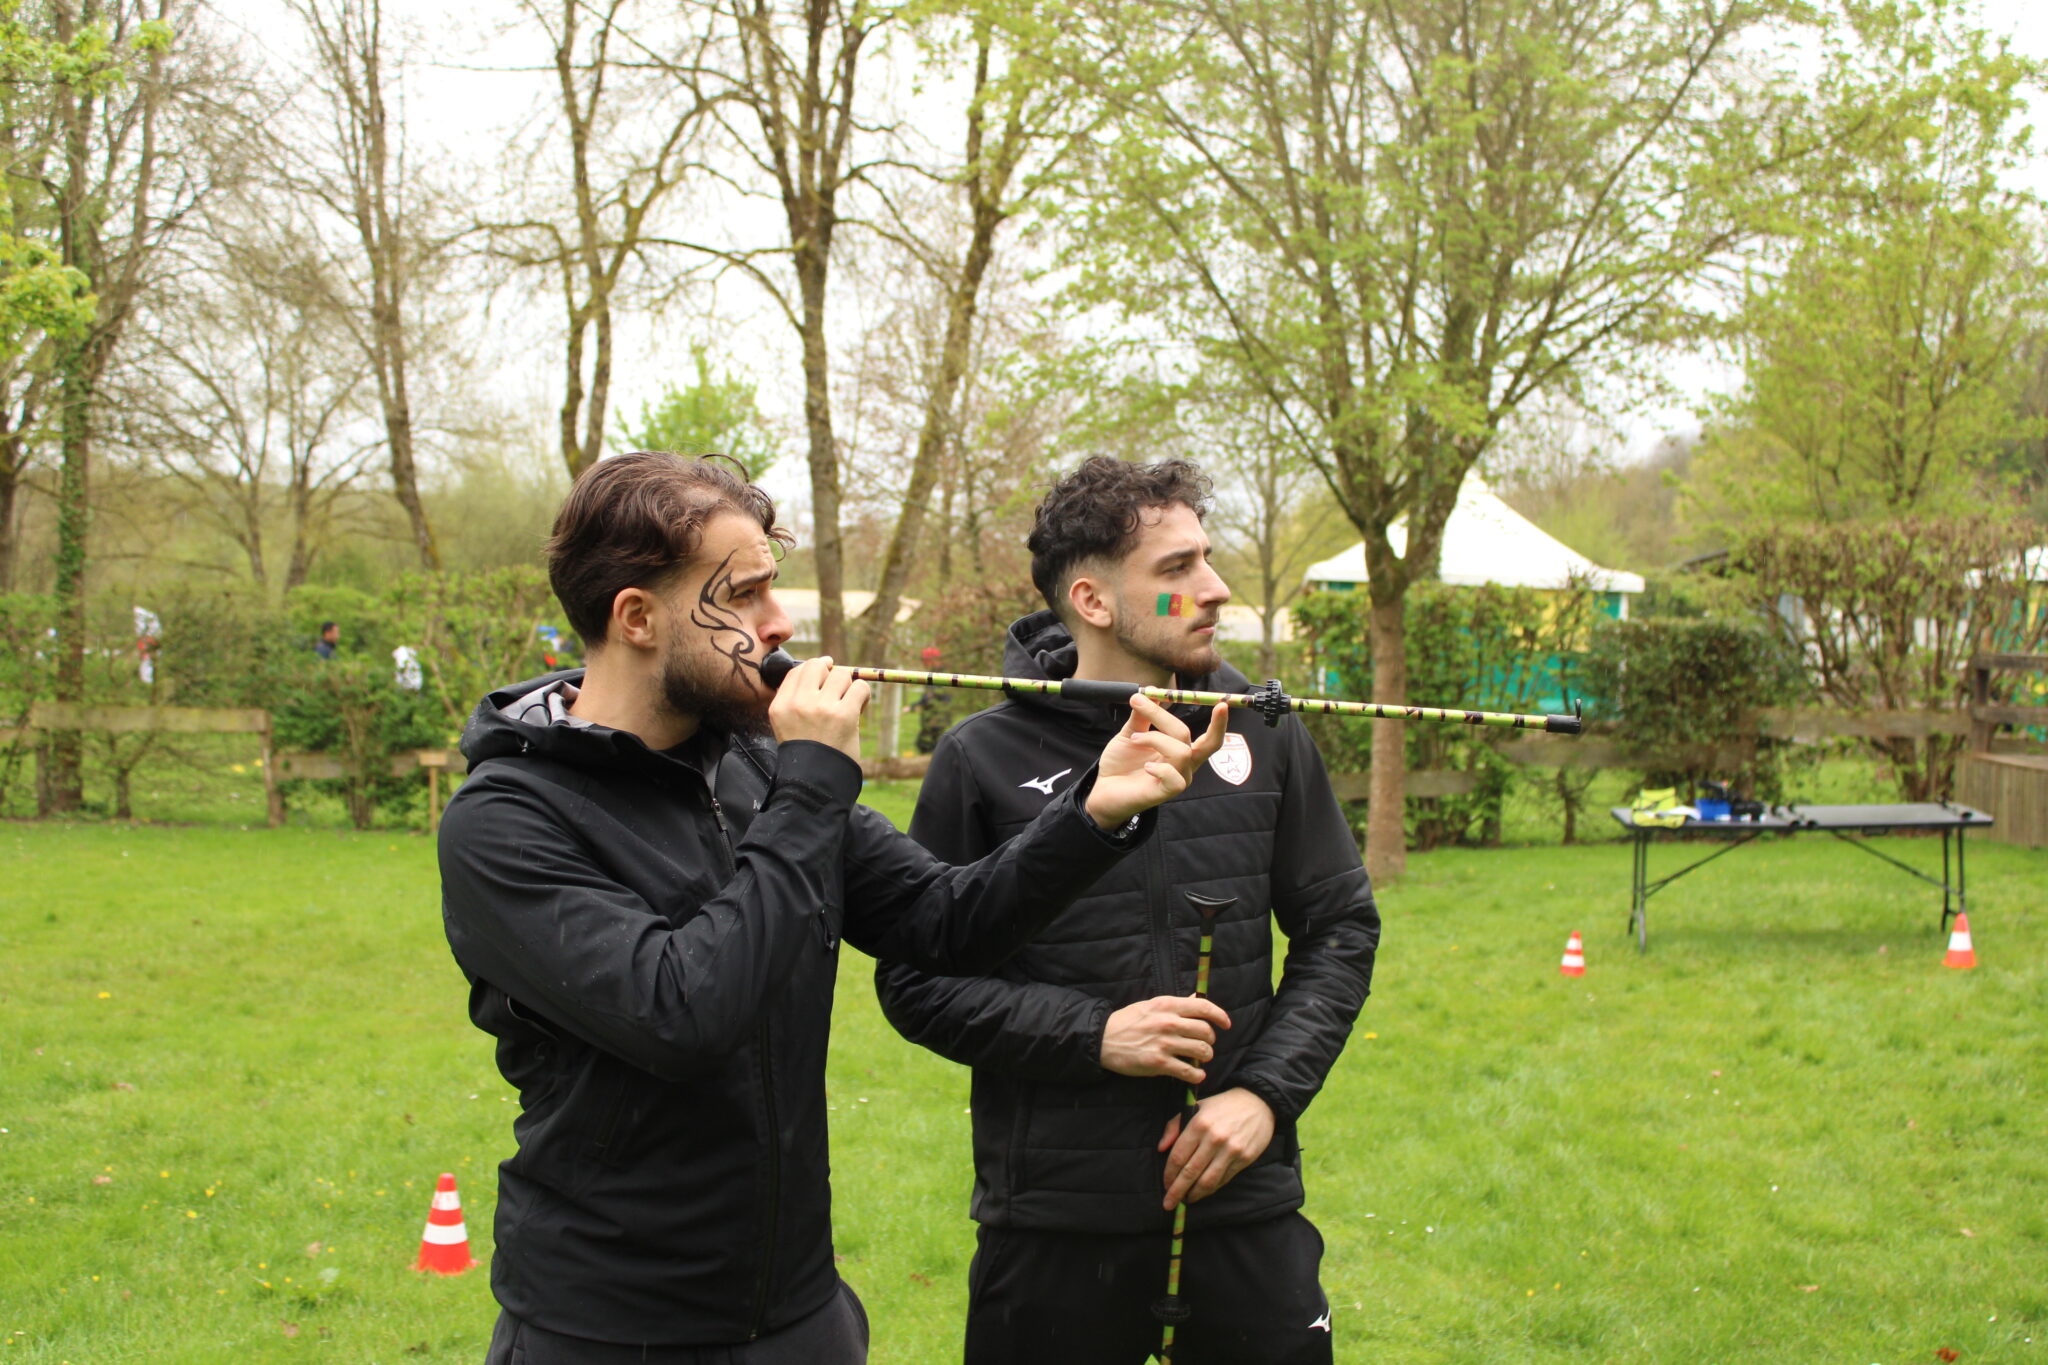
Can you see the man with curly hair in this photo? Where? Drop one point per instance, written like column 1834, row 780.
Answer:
column 1083, row 1044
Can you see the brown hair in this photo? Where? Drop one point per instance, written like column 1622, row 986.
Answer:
column 1093, row 514
column 634, row 521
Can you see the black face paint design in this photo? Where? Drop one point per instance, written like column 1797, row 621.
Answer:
column 728, row 637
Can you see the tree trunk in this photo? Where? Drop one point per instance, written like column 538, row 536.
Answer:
column 384, row 243
column 811, row 264
column 404, row 469
column 63, row 791
column 1386, row 844
column 10, row 499
column 932, row 436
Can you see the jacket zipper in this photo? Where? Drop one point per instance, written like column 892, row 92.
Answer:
column 1166, row 974
column 773, row 1126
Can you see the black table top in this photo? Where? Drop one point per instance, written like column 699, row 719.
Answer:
column 1900, row 815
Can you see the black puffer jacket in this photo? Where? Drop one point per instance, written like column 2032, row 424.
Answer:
column 656, row 958
column 1059, row 1143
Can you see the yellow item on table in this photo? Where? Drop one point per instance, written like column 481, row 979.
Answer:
column 1658, row 806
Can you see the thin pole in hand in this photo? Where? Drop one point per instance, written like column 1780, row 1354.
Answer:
column 1171, row 1309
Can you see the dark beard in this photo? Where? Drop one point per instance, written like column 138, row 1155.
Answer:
column 693, row 689
column 1185, row 669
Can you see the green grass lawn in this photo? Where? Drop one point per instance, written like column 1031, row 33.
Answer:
column 232, row 1064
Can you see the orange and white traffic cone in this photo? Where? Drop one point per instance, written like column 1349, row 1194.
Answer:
column 1574, row 963
column 1960, row 953
column 444, row 1246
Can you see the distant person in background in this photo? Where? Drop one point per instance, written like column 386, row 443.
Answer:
column 330, row 637
column 405, row 661
column 148, row 633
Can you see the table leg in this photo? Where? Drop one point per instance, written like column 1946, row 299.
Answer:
column 1962, row 880
column 1639, row 876
column 1945, row 879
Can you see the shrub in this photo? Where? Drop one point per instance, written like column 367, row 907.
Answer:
column 1684, row 688
column 1487, row 648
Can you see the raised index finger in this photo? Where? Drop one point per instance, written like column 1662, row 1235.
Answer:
column 1212, row 738
column 1163, row 720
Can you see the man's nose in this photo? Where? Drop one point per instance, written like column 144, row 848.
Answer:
column 1213, row 593
column 778, row 628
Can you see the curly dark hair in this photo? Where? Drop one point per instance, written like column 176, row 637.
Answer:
column 634, row 521
column 1093, row 514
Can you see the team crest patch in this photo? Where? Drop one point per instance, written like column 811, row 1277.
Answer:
column 1233, row 762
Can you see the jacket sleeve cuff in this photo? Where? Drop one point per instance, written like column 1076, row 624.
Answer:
column 1126, row 836
column 1089, row 1067
column 1277, row 1099
column 817, row 774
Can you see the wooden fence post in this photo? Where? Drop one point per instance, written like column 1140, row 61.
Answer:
column 273, row 794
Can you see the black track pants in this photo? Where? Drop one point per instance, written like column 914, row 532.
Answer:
column 836, row 1334
column 1086, row 1299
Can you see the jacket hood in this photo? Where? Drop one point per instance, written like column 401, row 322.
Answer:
column 527, row 717
column 1039, row 646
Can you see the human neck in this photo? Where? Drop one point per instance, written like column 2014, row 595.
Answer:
column 620, row 694
column 1100, row 658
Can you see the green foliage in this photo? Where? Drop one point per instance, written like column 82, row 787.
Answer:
column 1686, row 687
column 1886, row 362
column 40, row 296
column 353, row 709
column 716, row 413
column 470, row 633
column 1887, row 614
column 969, row 623
column 1488, row 648
column 475, row 632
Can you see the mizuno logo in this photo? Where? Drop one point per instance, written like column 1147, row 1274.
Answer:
column 1044, row 784
column 1322, row 1322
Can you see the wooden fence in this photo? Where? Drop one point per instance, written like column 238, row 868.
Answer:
column 1603, row 747
column 2022, row 784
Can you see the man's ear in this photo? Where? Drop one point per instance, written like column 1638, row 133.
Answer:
column 634, row 613
column 1091, row 597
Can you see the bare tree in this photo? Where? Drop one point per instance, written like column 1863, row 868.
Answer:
column 631, row 104
column 1012, row 112
column 254, row 403
column 1272, row 512
column 794, row 115
column 357, row 167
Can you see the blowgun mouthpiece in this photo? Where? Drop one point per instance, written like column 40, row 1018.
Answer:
column 776, row 666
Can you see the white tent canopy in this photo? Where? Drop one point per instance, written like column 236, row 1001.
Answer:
column 1487, row 541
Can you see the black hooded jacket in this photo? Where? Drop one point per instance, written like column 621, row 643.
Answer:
column 1059, row 1143
column 655, row 955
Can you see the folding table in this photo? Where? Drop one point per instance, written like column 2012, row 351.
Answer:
column 1851, row 824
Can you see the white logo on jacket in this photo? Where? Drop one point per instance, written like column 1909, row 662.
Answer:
column 1044, row 784
column 1233, row 762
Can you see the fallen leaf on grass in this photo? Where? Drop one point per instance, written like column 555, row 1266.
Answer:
column 924, row 1280
column 103, row 1180
column 123, row 1085
column 1947, row 1353
column 1808, row 1288
column 1968, row 1233
column 290, row 1329
column 312, row 1248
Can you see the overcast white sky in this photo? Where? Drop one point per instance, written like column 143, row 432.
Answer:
column 458, row 109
